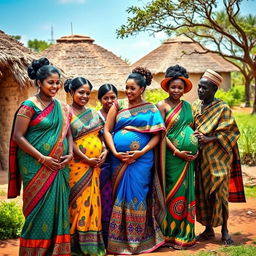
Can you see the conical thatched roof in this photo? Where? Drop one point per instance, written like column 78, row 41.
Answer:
column 14, row 59
column 77, row 55
column 175, row 51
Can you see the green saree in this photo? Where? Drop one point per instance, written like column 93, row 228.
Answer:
column 180, row 198
column 45, row 195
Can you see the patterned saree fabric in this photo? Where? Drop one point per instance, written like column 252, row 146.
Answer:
column 84, row 201
column 139, row 212
column 180, row 195
column 45, row 196
column 106, row 192
column 218, row 170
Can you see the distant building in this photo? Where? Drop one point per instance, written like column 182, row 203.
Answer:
column 179, row 51
column 78, row 55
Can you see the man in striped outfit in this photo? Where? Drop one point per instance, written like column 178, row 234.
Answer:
column 218, row 170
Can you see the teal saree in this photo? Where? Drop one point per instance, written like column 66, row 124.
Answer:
column 45, row 195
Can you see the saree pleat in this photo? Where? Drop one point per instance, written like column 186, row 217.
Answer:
column 138, row 212
column 180, row 196
column 45, row 196
column 218, row 170
column 84, row 202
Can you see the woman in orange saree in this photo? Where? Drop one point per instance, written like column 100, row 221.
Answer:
column 84, row 201
column 40, row 148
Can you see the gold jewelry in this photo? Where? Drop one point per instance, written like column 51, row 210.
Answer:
column 41, row 160
column 42, row 102
column 174, row 152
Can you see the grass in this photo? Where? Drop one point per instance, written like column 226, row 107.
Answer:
column 239, row 250
column 250, row 192
column 3, row 193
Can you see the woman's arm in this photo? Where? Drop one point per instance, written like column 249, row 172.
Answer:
column 20, row 129
column 67, row 158
column 161, row 106
column 108, row 128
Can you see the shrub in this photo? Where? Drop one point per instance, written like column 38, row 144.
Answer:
column 11, row 220
column 246, row 142
column 234, row 96
column 154, row 96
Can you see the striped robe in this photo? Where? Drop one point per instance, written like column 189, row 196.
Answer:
column 218, row 170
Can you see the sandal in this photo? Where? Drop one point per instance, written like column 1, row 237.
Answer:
column 228, row 241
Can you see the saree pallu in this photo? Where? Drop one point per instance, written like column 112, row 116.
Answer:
column 84, row 201
column 180, row 194
column 45, row 196
column 218, row 170
column 105, row 192
column 138, row 213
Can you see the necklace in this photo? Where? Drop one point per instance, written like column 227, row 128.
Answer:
column 78, row 111
column 42, row 102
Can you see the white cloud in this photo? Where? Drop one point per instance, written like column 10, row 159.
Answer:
column 71, row 1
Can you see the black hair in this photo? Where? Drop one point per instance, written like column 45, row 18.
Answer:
column 40, row 69
column 75, row 83
column 142, row 76
column 106, row 88
column 175, row 72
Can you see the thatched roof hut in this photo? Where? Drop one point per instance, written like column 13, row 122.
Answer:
column 15, row 87
column 78, row 55
column 179, row 51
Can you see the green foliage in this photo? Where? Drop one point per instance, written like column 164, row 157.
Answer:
column 11, row 220
column 235, row 250
column 246, row 142
column 154, row 96
column 38, row 45
column 17, row 37
column 234, row 96
column 250, row 192
column 240, row 250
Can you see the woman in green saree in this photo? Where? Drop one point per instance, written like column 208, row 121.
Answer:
column 40, row 148
column 181, row 150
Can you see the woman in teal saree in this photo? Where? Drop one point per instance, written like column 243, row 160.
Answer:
column 180, row 152
column 40, row 148
column 133, row 129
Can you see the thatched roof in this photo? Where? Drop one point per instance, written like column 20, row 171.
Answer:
column 14, row 59
column 78, row 55
column 175, row 51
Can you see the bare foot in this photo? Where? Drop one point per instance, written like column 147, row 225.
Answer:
column 206, row 235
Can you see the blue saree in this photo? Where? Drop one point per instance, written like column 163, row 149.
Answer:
column 138, row 212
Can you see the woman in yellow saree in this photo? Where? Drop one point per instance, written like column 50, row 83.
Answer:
column 40, row 148
column 84, row 201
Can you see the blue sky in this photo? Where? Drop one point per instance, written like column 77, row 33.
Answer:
column 98, row 19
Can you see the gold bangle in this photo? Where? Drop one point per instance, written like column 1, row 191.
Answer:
column 174, row 152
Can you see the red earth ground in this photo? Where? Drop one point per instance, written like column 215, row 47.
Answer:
column 242, row 225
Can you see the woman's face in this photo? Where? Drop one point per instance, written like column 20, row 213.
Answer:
column 107, row 100
column 132, row 90
column 81, row 95
column 176, row 89
column 50, row 85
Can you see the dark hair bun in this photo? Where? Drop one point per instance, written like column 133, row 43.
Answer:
column 145, row 73
column 67, row 85
column 176, row 71
column 35, row 66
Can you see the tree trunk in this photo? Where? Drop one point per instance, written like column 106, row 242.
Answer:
column 247, row 92
column 254, row 102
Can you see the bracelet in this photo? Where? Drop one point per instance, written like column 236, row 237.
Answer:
column 41, row 160
column 174, row 152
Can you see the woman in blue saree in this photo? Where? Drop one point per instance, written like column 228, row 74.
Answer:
column 41, row 146
column 138, row 214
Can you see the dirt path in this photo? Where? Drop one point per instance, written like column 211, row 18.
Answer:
column 242, row 226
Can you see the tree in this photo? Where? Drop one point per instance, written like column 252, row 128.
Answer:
column 227, row 32
column 38, row 45
column 17, row 37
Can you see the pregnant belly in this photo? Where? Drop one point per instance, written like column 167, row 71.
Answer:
column 130, row 140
